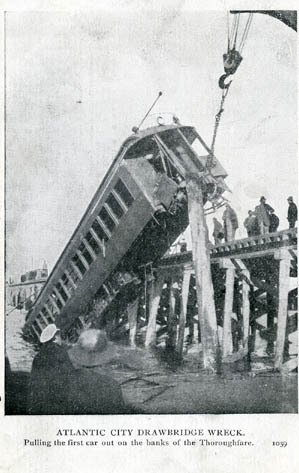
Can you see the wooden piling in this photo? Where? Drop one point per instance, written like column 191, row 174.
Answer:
column 245, row 309
column 283, row 290
column 154, row 301
column 183, row 311
column 202, row 267
column 172, row 322
column 227, row 346
column 132, row 310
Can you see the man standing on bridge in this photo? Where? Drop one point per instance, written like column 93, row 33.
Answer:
column 231, row 223
column 292, row 213
column 250, row 223
column 274, row 222
column 218, row 232
column 262, row 212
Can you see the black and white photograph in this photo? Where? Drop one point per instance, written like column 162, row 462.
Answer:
column 150, row 211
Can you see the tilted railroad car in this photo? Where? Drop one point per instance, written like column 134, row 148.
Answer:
column 138, row 211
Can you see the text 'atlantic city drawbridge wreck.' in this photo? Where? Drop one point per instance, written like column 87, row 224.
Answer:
column 117, row 273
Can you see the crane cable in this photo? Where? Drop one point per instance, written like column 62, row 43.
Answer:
column 245, row 33
column 231, row 40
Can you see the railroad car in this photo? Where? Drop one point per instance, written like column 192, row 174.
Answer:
column 136, row 214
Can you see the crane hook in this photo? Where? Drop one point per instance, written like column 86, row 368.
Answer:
column 222, row 83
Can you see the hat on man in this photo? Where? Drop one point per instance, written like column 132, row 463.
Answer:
column 262, row 198
column 48, row 333
column 290, row 199
column 89, row 348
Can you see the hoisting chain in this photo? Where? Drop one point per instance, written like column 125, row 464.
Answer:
column 217, row 122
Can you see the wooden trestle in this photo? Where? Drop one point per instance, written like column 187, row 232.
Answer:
column 251, row 278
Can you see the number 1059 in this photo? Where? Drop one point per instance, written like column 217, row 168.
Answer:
column 279, row 444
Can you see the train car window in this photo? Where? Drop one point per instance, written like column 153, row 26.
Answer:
column 124, row 193
column 105, row 217
column 99, row 231
column 180, row 147
column 33, row 332
column 157, row 163
column 57, row 300
column 85, row 253
column 47, row 316
column 41, row 321
column 199, row 148
column 93, row 243
column 62, row 292
column 37, row 327
column 78, row 263
column 67, row 283
column 51, row 307
column 73, row 274
column 115, row 206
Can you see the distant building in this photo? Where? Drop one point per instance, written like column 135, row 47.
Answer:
column 24, row 292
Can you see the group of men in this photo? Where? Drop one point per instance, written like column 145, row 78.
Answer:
column 260, row 221
column 263, row 219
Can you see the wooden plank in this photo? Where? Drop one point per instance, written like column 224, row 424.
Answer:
column 202, row 267
column 154, row 302
column 283, row 285
column 183, row 312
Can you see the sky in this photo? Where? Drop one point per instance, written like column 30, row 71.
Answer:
column 76, row 83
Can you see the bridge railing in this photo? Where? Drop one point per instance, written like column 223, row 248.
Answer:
column 268, row 241
column 288, row 236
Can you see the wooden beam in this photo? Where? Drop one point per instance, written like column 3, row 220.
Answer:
column 132, row 310
column 202, row 267
column 154, row 302
column 227, row 344
column 172, row 323
column 183, row 312
column 245, row 309
column 283, row 291
column 290, row 365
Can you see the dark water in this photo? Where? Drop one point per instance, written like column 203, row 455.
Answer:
column 155, row 383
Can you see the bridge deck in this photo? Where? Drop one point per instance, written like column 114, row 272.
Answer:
column 246, row 248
